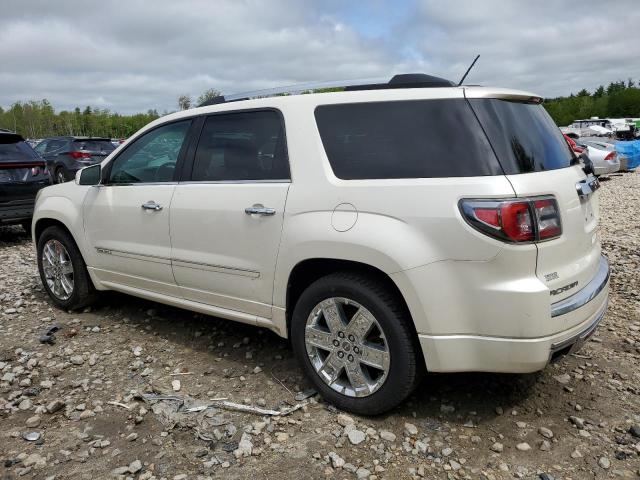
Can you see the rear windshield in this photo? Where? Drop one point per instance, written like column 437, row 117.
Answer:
column 405, row 139
column 15, row 151
column 94, row 145
column 523, row 135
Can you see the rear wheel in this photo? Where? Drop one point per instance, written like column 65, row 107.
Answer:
column 354, row 339
column 61, row 176
column 63, row 271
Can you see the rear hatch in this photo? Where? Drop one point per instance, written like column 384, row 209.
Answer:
column 537, row 161
column 22, row 171
column 92, row 150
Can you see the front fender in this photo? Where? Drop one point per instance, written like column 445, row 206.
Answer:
column 66, row 211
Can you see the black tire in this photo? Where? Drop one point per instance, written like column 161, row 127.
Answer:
column 61, row 175
column 406, row 364
column 83, row 293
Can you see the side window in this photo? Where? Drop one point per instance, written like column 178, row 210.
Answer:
column 152, row 157
column 54, row 145
column 40, row 148
column 241, row 146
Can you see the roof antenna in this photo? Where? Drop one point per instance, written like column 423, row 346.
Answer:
column 468, row 70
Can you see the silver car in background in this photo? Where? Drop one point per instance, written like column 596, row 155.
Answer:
column 603, row 155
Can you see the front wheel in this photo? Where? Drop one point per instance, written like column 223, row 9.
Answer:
column 63, row 271
column 354, row 338
column 61, row 176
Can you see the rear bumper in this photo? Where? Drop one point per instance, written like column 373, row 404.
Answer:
column 464, row 353
column 15, row 212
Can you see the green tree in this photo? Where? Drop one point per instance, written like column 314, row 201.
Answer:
column 207, row 95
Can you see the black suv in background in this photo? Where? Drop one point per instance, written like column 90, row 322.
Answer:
column 22, row 174
column 66, row 155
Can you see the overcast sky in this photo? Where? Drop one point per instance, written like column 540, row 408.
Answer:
column 134, row 55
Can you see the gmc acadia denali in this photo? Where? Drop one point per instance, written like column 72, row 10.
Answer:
column 387, row 229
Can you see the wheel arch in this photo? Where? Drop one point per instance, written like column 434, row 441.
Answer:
column 307, row 271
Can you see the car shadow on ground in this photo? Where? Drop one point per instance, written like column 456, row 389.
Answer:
column 13, row 235
column 463, row 398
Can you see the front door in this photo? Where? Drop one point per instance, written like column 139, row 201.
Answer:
column 127, row 217
column 226, row 217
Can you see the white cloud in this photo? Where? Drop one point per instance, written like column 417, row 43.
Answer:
column 134, row 55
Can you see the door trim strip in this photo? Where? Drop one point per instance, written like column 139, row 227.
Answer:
column 181, row 263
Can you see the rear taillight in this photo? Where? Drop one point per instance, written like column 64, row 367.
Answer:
column 514, row 220
column 611, row 157
column 78, row 155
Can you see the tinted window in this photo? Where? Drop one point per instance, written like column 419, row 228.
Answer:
column 54, row 145
column 523, row 135
column 40, row 148
column 408, row 139
column 12, row 150
column 241, row 146
column 94, row 145
column 152, row 157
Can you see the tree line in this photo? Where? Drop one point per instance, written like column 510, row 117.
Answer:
column 38, row 119
column 617, row 100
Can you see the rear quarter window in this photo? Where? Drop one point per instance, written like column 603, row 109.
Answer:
column 12, row 150
column 523, row 135
column 405, row 139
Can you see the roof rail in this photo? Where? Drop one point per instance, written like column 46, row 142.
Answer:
column 407, row 80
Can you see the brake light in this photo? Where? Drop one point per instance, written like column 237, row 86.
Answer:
column 514, row 220
column 611, row 157
column 78, row 155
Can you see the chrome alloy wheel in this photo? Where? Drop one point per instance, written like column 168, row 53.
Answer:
column 58, row 269
column 347, row 347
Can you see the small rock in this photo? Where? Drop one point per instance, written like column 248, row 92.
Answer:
column 55, row 405
column 344, row 420
column 135, row 466
column 523, row 447
column 497, row 447
column 604, row 463
column 336, row 460
column 387, row 435
column 77, row 359
column 577, row 421
column 635, row 431
column 175, row 384
column 355, row 436
column 33, row 422
column 545, row 432
column 410, row 429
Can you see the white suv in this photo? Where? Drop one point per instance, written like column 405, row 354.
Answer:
column 386, row 229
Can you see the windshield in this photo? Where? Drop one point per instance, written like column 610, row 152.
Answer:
column 523, row 135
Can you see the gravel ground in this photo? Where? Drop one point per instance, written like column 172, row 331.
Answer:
column 83, row 396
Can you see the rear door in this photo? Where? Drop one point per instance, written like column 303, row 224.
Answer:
column 538, row 161
column 226, row 217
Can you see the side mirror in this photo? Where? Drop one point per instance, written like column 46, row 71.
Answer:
column 91, row 175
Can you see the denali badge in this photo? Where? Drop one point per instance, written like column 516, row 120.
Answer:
column 564, row 289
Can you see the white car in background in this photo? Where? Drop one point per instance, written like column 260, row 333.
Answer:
column 603, row 156
column 387, row 229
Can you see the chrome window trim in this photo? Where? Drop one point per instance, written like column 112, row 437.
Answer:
column 231, row 182
column 588, row 293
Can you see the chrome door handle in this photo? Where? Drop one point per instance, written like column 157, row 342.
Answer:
column 259, row 210
column 151, row 205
